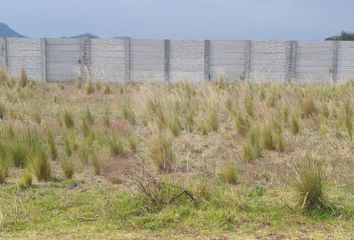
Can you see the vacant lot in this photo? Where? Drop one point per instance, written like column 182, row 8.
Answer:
column 90, row 160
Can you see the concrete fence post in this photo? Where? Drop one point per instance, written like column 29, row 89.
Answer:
column 85, row 56
column 167, row 62
column 291, row 62
column 3, row 53
column 44, row 59
column 127, row 59
column 334, row 69
column 247, row 63
column 207, row 60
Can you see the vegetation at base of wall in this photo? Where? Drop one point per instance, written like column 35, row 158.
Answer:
column 210, row 159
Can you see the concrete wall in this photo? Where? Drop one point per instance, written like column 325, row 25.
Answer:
column 63, row 58
column 227, row 57
column 147, row 60
column 187, row 60
column 107, row 60
column 314, row 61
column 123, row 60
column 24, row 53
column 268, row 60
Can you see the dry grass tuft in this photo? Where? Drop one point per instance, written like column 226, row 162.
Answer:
column 160, row 150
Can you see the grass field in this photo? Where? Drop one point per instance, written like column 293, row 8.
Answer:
column 90, row 160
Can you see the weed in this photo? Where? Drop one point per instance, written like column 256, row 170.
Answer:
column 52, row 146
column 18, row 152
column 26, row 178
column 128, row 113
column 252, row 148
column 133, row 141
column 309, row 182
column 3, row 171
column 96, row 164
column 23, row 79
column 248, row 152
column 175, row 124
column 106, row 118
column 115, row 144
column 67, row 145
column 2, row 111
column 107, row 89
column 267, row 137
column 348, row 117
column 88, row 117
column 84, row 154
column 68, row 168
column 160, row 151
column 90, row 88
column 41, row 167
column 308, row 107
column 243, row 124
column 294, row 125
column 228, row 174
column 68, row 119
column 248, row 103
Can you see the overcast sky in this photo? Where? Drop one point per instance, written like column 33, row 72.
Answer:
column 181, row 19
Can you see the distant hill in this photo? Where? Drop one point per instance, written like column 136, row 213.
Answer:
column 83, row 35
column 123, row 38
column 6, row 31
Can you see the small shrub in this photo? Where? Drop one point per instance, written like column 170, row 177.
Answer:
column 106, row 118
column 252, row 148
column 309, row 182
column 294, row 125
column 243, row 124
column 67, row 145
column 98, row 86
column 37, row 117
column 160, row 151
column 59, row 119
column 248, row 152
column 68, row 168
column 248, row 102
column 272, row 137
column 52, row 146
column 96, row 164
column 115, row 144
column 128, row 113
column 107, row 89
column 90, row 88
column 279, row 141
column 220, row 82
column 85, row 128
column 267, row 137
column 18, row 152
column 348, row 117
column 84, row 154
column 308, row 107
column 133, row 141
column 41, row 167
column 68, row 119
column 213, row 118
column 88, row 117
column 189, row 121
column 2, row 111
column 175, row 125
column 228, row 174
column 23, row 79
column 3, row 171
column 26, row 178
column 271, row 99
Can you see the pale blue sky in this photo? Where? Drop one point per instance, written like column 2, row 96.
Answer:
column 181, row 19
